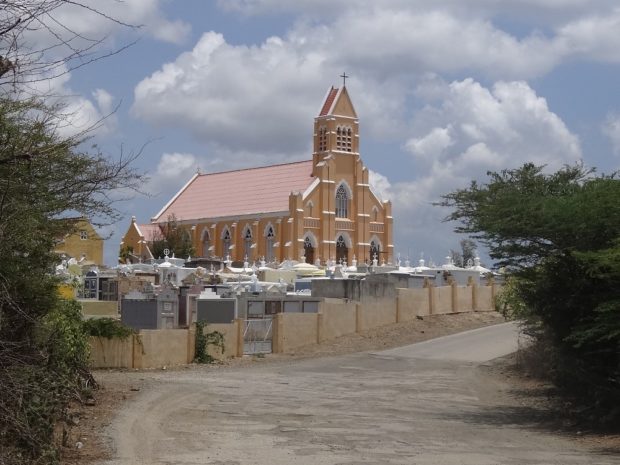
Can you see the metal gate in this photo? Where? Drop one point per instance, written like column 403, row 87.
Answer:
column 257, row 336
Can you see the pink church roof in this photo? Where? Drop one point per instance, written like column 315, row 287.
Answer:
column 239, row 192
column 149, row 231
column 329, row 100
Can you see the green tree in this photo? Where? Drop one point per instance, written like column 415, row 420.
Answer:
column 44, row 178
column 558, row 235
column 468, row 252
column 174, row 237
column 42, row 352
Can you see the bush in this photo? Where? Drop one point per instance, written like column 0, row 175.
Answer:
column 37, row 381
column 108, row 328
column 203, row 341
column 558, row 235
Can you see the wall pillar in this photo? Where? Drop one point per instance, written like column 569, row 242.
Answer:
column 319, row 328
column 277, row 334
column 431, row 296
column 239, row 327
column 474, row 294
column 454, row 294
column 236, row 242
column 191, row 343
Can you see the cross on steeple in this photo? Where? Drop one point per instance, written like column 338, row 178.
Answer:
column 344, row 78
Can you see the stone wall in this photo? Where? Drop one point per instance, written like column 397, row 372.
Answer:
column 412, row 303
column 157, row 348
column 336, row 318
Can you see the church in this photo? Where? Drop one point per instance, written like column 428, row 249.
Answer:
column 313, row 211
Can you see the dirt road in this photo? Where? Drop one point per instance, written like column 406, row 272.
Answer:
column 393, row 407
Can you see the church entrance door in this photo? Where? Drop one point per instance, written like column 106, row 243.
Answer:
column 308, row 251
column 374, row 251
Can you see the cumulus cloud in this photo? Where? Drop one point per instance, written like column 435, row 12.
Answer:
column 92, row 22
column 611, row 128
column 71, row 34
column 380, row 185
column 237, row 96
column 221, row 92
column 254, row 104
column 76, row 114
column 432, row 144
column 489, row 129
column 543, row 10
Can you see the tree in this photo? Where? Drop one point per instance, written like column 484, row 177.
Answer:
column 43, row 178
column 558, row 235
column 37, row 44
column 173, row 237
column 466, row 255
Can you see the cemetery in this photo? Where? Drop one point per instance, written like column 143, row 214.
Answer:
column 164, row 299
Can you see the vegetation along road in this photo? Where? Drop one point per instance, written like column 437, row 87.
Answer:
column 427, row 403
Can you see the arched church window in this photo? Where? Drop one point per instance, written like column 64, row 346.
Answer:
column 342, row 202
column 226, row 243
column 322, row 138
column 247, row 243
column 269, row 241
column 375, row 214
column 348, row 142
column 310, row 206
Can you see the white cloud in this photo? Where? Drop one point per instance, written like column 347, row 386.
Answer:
column 447, row 35
column 221, row 92
column 509, row 118
column 380, row 185
column 242, row 98
column 611, row 128
column 432, row 144
column 490, row 129
column 254, row 104
column 76, row 114
column 547, row 10
column 87, row 23
column 70, row 35
column 176, row 166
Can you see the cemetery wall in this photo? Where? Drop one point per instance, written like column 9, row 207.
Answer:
column 156, row 348
column 336, row 318
column 293, row 330
column 412, row 303
column 441, row 300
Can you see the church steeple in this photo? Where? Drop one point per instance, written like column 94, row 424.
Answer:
column 336, row 127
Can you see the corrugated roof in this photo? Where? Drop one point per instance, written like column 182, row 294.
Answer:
column 328, row 101
column 240, row 192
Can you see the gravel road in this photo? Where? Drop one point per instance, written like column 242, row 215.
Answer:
column 403, row 406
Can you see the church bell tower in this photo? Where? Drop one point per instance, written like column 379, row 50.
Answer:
column 336, row 129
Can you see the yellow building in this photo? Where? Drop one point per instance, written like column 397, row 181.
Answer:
column 84, row 244
column 137, row 241
column 312, row 210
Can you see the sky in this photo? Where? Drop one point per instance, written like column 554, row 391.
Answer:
column 445, row 91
